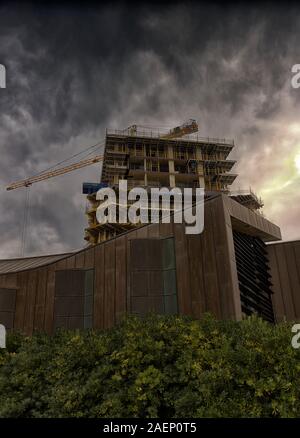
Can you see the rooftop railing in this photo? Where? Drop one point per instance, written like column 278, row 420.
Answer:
column 150, row 133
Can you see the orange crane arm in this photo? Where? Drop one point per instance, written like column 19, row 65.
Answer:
column 50, row 174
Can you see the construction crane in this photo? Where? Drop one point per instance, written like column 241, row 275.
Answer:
column 179, row 131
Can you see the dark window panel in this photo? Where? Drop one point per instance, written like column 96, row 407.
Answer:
column 69, row 282
column 69, row 306
column 75, row 322
column 170, row 286
column 144, row 305
column 146, row 254
column 88, row 305
column 61, row 322
column 171, row 307
column 88, row 322
column 153, row 286
column 156, row 283
column 139, row 281
column 89, row 282
column 74, row 292
column 169, row 254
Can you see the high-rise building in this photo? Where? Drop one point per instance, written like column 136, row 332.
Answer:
column 150, row 158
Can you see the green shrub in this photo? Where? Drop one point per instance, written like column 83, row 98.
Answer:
column 155, row 367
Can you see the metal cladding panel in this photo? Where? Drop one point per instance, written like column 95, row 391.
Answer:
column 285, row 269
column 88, row 298
column 16, row 265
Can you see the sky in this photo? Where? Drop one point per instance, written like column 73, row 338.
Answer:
column 73, row 71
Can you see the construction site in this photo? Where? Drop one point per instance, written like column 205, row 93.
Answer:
column 237, row 266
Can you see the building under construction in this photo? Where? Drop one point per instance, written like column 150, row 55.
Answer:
column 149, row 158
column 237, row 266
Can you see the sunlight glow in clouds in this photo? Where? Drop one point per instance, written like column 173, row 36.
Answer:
column 294, row 128
column 297, row 163
column 289, row 175
column 280, row 189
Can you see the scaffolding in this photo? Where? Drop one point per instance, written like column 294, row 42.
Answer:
column 157, row 158
column 247, row 198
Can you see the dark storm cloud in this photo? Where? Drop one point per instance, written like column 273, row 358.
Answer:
column 73, row 71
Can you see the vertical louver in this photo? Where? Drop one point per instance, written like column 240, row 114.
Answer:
column 253, row 276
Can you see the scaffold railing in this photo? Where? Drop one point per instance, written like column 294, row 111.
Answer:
column 160, row 133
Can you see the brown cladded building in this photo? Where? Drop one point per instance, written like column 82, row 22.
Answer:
column 227, row 270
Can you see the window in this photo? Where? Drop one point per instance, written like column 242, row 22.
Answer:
column 7, row 307
column 153, row 285
column 74, row 294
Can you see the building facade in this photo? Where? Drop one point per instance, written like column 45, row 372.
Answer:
column 225, row 270
column 236, row 267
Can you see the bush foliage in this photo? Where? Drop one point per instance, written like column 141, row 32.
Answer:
column 156, row 367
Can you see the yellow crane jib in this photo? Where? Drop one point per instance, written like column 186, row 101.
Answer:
column 51, row 174
column 189, row 127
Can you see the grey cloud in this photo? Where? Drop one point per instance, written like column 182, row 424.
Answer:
column 73, row 71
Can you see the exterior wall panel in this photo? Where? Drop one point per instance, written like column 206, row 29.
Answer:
column 285, row 269
column 206, row 275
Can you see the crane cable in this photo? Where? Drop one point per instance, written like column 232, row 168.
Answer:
column 25, row 223
column 26, row 215
column 96, row 146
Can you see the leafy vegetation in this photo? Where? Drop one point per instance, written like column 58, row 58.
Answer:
column 156, row 367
